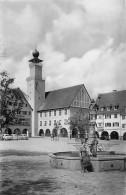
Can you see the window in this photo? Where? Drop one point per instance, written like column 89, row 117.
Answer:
column 49, row 113
column 21, row 104
column 45, row 114
column 107, row 116
column 49, row 123
column 10, row 103
column 18, row 112
column 65, row 112
column 59, row 112
column 40, row 114
column 123, row 117
column 29, row 113
column 54, row 112
column 40, row 123
column 60, row 122
column 115, row 115
column 107, row 124
column 45, row 123
column 54, row 122
column 99, row 124
column 24, row 112
column 123, row 125
column 108, row 108
column 26, row 105
column 102, row 108
column 99, row 116
column 115, row 124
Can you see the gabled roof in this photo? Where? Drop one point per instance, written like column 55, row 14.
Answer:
column 115, row 98
column 23, row 96
column 61, row 98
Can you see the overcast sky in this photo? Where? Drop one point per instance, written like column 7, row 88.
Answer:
column 80, row 41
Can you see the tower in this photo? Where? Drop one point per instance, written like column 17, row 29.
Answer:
column 35, row 89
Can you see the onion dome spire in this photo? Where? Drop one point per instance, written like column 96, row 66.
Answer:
column 35, row 59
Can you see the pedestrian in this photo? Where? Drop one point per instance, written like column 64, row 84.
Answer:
column 52, row 136
column 84, row 157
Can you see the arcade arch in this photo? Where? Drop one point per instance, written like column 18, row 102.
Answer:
column 8, row 131
column 104, row 135
column 124, row 136
column 17, row 131
column 25, row 131
column 41, row 132
column 63, row 132
column 114, row 135
column 47, row 133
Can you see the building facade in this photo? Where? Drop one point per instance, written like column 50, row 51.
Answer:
column 59, row 107
column 111, row 115
column 21, row 123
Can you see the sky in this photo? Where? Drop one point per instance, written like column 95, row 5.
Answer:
column 79, row 41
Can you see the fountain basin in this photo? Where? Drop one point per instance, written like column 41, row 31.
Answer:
column 104, row 161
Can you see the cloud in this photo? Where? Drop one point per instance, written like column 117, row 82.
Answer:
column 99, row 69
column 103, row 9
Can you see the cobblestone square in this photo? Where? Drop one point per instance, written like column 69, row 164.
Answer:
column 25, row 169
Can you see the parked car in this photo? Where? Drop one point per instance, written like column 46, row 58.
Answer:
column 7, row 137
column 15, row 136
column 19, row 137
column 24, row 136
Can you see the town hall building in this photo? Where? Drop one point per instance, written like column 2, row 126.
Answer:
column 53, row 109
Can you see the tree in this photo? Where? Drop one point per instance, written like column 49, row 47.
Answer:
column 80, row 122
column 11, row 99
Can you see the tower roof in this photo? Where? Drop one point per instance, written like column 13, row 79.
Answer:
column 35, row 54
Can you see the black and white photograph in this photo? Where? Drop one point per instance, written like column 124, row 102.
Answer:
column 62, row 97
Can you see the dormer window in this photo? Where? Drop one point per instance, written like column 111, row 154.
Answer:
column 115, row 107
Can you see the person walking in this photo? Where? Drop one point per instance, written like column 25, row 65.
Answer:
column 84, row 157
